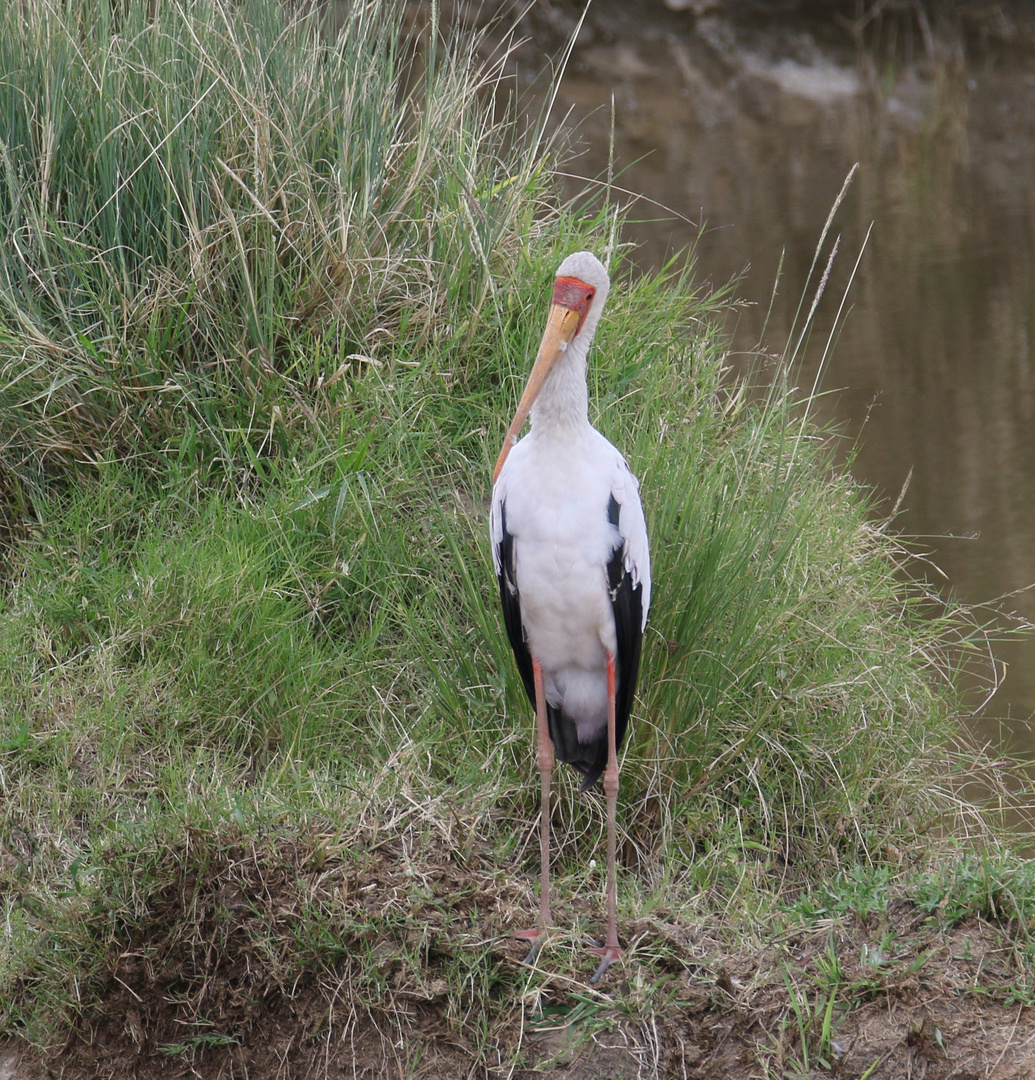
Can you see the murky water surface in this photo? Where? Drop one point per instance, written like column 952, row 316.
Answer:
column 932, row 371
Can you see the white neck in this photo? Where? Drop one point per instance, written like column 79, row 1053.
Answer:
column 562, row 407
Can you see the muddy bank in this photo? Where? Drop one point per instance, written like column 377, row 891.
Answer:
column 911, row 989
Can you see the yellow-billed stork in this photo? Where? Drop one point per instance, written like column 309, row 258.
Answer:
column 570, row 549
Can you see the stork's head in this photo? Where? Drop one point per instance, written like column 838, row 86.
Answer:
column 579, row 291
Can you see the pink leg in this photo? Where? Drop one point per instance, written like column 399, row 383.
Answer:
column 611, row 951
column 544, row 758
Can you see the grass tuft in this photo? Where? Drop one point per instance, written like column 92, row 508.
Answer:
column 200, row 199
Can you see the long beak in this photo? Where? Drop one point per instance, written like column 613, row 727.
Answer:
column 561, row 326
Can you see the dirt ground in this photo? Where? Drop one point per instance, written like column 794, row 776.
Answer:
column 896, row 996
column 724, row 1025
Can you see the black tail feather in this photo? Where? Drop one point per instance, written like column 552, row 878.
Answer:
column 589, row 759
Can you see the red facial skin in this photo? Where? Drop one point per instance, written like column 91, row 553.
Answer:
column 575, row 295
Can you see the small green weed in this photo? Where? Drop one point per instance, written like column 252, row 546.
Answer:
column 990, row 885
column 805, row 1041
column 863, row 891
column 189, row 1047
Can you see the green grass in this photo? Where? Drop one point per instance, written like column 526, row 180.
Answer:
column 200, row 203
column 267, row 301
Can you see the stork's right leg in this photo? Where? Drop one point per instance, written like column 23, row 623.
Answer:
column 544, row 758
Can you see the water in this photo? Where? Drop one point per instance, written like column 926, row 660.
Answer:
column 932, row 372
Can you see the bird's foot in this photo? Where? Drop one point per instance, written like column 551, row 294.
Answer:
column 535, row 937
column 608, row 955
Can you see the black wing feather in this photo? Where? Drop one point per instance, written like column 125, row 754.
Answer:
column 562, row 730
column 511, row 602
column 627, row 605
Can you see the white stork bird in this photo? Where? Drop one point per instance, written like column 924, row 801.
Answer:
column 570, row 549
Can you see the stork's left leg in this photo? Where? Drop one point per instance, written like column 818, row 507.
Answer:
column 611, row 951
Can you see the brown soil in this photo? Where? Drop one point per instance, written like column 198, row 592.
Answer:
column 194, row 988
column 923, row 1031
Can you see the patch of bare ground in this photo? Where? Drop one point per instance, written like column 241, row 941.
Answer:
column 304, row 959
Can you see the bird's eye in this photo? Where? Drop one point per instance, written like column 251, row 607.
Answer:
column 589, row 296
